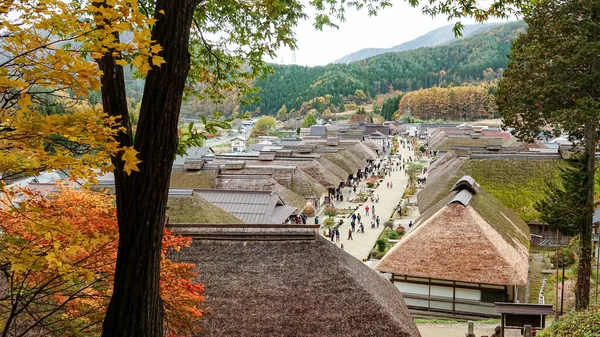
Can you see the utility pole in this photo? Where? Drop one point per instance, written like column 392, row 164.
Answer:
column 562, row 290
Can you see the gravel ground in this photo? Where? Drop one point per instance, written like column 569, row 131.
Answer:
column 459, row 330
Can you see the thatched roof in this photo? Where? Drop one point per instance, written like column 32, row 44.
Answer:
column 519, row 183
column 333, row 168
column 297, row 285
column 363, row 151
column 204, row 178
column 343, row 162
column 306, row 186
column 483, row 240
column 450, row 142
column 372, row 145
column 355, row 162
column 195, row 209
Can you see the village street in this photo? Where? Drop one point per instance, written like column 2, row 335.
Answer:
column 362, row 243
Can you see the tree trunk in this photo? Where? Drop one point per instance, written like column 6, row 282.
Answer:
column 136, row 307
column 582, row 291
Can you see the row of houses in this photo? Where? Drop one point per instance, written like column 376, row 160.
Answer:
column 303, row 175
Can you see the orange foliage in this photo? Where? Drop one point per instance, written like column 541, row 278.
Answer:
column 60, row 254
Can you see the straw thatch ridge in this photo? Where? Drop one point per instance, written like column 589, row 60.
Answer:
column 438, row 180
column 355, row 162
column 485, row 242
column 306, row 186
column 362, row 151
column 293, row 288
column 196, row 209
column 333, row 168
column 340, row 161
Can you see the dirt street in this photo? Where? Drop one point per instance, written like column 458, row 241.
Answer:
column 459, row 330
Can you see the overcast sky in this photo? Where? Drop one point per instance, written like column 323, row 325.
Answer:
column 389, row 28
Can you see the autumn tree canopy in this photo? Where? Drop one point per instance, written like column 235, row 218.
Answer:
column 58, row 260
column 453, row 103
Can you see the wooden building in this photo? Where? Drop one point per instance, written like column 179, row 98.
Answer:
column 464, row 253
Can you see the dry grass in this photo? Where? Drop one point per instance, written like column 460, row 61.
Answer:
column 196, row 209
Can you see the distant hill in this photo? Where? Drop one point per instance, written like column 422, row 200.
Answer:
column 478, row 59
column 433, row 38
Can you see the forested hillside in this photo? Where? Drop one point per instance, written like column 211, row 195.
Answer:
column 435, row 37
column 480, row 58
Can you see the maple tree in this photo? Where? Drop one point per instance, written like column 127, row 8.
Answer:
column 58, row 259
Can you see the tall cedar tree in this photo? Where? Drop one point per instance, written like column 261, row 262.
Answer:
column 563, row 206
column 552, row 80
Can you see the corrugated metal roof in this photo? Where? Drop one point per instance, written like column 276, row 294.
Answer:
column 252, row 207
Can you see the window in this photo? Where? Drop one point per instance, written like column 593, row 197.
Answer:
column 491, row 296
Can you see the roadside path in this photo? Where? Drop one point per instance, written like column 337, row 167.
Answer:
column 362, row 243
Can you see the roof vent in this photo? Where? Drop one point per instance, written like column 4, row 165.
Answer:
column 463, row 197
column 465, row 183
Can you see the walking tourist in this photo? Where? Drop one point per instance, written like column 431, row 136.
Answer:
column 377, row 221
column 410, row 224
column 358, row 217
column 350, row 234
column 337, row 235
column 352, row 225
column 367, row 210
column 316, row 220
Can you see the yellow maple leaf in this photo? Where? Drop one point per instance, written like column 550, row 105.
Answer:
column 121, row 62
column 157, row 60
column 130, row 159
column 155, row 48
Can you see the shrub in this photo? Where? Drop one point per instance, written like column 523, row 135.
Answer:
column 371, row 182
column 328, row 222
column 400, row 231
column 585, row 323
column 566, row 255
column 381, row 245
column 330, row 211
column 393, row 235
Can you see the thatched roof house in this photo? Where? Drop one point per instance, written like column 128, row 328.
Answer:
column 289, row 281
column 485, row 249
column 195, row 209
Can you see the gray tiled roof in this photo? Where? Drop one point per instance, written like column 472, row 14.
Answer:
column 252, row 207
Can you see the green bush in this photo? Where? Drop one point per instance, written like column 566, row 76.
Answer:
column 381, row 245
column 328, row 222
column 565, row 254
column 393, row 235
column 575, row 324
column 330, row 211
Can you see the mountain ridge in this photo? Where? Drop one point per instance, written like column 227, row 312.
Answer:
column 436, row 37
